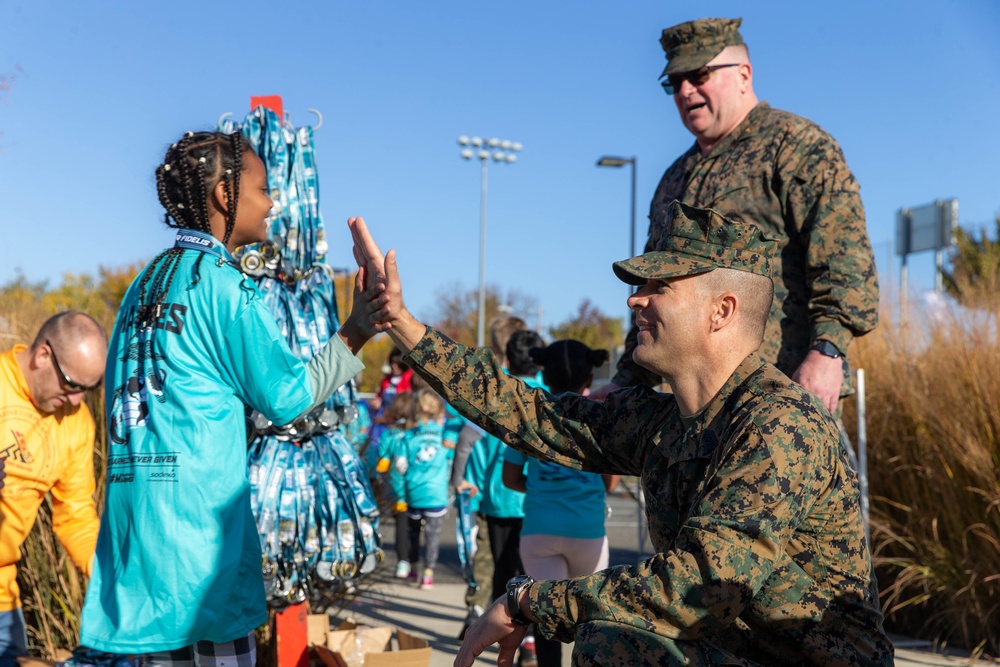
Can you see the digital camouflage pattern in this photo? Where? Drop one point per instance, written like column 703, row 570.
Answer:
column 700, row 240
column 752, row 505
column 786, row 175
column 692, row 44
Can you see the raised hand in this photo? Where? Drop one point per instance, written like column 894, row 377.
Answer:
column 366, row 252
column 359, row 326
column 369, row 284
column 385, row 311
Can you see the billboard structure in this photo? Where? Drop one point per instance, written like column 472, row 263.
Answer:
column 928, row 227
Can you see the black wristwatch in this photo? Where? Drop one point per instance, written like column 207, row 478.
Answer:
column 514, row 589
column 826, row 348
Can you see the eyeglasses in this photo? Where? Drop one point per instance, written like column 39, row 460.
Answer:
column 698, row 77
column 64, row 380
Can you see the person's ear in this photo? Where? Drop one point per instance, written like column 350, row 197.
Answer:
column 746, row 77
column 724, row 312
column 220, row 198
column 41, row 352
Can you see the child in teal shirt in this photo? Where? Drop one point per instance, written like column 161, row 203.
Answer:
column 177, row 572
column 425, row 464
column 400, row 419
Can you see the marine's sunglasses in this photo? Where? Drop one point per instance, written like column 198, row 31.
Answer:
column 65, row 380
column 696, row 78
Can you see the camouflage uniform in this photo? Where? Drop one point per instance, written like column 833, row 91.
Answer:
column 752, row 505
column 752, row 508
column 785, row 174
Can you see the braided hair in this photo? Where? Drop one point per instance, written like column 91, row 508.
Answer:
column 190, row 171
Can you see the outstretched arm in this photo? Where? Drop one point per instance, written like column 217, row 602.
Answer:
column 570, row 430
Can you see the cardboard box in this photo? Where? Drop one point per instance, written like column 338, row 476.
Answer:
column 353, row 645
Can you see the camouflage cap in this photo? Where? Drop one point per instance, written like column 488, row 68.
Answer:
column 700, row 240
column 690, row 46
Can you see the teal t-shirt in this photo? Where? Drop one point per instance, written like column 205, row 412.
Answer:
column 388, row 448
column 428, row 467
column 559, row 500
column 178, row 556
column 485, row 471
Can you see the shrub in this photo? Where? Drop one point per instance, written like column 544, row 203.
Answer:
column 51, row 588
column 933, row 398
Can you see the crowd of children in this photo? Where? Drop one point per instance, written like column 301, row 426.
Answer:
column 416, row 459
column 532, row 516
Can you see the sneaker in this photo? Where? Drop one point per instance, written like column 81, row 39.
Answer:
column 427, row 581
column 475, row 611
column 527, row 656
column 412, row 576
column 403, row 569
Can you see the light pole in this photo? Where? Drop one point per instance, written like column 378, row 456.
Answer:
column 609, row 161
column 501, row 150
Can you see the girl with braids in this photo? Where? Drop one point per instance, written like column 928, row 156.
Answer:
column 177, row 574
column 563, row 532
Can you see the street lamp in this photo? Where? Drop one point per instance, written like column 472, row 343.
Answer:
column 500, row 150
column 609, row 161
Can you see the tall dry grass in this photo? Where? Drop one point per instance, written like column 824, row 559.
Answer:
column 51, row 587
column 933, row 398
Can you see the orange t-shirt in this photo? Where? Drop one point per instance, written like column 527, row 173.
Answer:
column 44, row 453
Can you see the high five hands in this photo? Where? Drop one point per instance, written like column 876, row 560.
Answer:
column 379, row 288
column 378, row 283
column 369, row 286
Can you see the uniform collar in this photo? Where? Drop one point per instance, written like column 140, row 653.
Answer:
column 703, row 436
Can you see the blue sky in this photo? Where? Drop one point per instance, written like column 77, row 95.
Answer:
column 911, row 90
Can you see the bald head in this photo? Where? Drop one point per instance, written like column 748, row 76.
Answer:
column 71, row 327
column 66, row 358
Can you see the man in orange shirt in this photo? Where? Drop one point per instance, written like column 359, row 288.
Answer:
column 47, row 443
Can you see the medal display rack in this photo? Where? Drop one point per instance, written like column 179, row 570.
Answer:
column 310, row 493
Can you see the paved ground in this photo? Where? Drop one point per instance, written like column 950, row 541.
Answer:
column 436, row 615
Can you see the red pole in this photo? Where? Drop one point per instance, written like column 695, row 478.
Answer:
column 291, row 636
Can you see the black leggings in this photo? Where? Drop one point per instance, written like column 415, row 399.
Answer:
column 505, row 543
column 432, row 537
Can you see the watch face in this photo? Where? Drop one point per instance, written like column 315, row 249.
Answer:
column 514, row 588
column 827, row 348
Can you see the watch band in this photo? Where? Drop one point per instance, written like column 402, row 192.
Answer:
column 515, row 587
column 827, row 348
